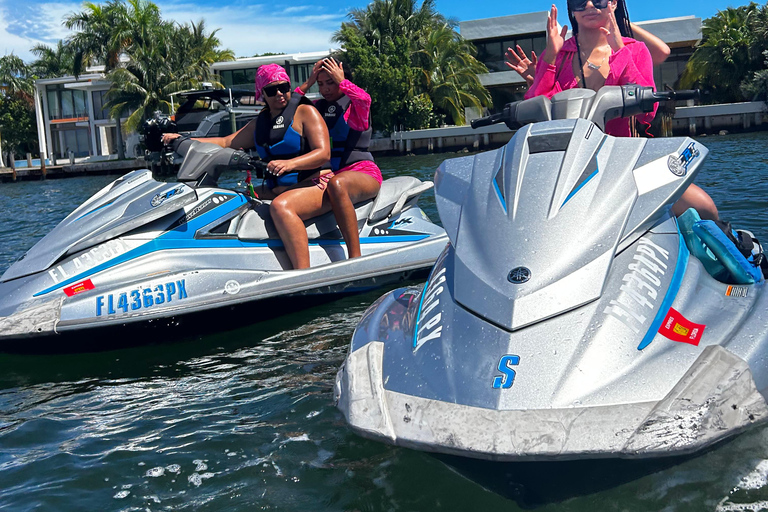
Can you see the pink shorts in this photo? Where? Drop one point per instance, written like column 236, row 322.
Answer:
column 366, row 167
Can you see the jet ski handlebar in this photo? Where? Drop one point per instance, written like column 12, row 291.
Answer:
column 204, row 162
column 610, row 102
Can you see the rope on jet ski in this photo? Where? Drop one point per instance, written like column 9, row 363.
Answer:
column 249, row 185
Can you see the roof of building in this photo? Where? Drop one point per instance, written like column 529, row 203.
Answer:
column 291, row 58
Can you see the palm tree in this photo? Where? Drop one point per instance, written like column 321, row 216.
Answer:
column 15, row 79
column 447, row 72
column 146, row 58
column 15, row 84
column 383, row 20
column 440, row 64
column 53, row 62
column 168, row 59
column 725, row 55
column 96, row 39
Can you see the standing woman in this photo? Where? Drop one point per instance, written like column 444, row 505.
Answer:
column 291, row 136
column 598, row 55
column 346, row 109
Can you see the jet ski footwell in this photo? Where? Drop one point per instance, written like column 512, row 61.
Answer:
column 715, row 399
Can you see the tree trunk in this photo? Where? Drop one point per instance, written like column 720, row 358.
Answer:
column 120, row 148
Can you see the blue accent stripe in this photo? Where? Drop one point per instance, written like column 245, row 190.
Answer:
column 581, row 185
column 163, row 243
column 669, row 298
column 501, row 198
column 94, row 210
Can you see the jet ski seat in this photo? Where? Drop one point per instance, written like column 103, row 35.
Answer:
column 718, row 253
column 394, row 194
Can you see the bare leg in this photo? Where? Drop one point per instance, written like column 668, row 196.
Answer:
column 695, row 197
column 344, row 190
column 289, row 210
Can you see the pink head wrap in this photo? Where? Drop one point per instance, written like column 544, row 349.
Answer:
column 267, row 74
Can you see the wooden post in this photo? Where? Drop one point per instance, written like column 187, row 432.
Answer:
column 42, row 166
column 12, row 164
column 29, row 160
column 431, row 145
column 476, row 143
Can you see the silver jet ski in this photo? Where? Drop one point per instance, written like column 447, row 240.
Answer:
column 141, row 250
column 572, row 316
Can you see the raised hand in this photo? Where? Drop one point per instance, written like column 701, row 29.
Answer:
column 334, row 69
column 612, row 33
column 520, row 62
column 315, row 70
column 555, row 39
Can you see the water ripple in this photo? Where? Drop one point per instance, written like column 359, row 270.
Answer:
column 244, row 420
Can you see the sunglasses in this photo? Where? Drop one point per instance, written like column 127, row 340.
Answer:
column 581, row 5
column 271, row 90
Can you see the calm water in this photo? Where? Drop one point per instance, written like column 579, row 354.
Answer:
column 244, row 420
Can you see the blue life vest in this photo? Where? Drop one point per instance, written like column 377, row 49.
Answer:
column 275, row 139
column 347, row 145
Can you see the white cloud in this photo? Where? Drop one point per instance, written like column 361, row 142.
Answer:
column 247, row 29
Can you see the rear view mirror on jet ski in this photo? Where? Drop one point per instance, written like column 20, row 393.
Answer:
column 149, row 254
column 572, row 316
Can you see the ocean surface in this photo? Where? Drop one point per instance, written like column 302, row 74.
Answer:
column 244, row 420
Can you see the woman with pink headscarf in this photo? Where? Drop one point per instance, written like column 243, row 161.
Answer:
column 291, row 136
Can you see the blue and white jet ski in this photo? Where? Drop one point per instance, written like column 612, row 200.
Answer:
column 572, row 316
column 143, row 252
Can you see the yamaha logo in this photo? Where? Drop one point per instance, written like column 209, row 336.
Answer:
column 519, row 275
column 332, row 109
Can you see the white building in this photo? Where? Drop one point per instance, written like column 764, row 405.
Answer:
column 241, row 73
column 71, row 117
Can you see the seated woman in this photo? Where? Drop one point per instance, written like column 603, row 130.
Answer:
column 290, row 135
column 346, row 109
column 598, row 55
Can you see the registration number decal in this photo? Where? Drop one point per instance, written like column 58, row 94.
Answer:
column 142, row 298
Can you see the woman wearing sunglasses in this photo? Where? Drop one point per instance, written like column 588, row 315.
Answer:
column 291, row 136
column 346, row 109
column 517, row 60
column 596, row 55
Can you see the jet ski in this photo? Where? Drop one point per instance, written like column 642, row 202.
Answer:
column 140, row 251
column 572, row 316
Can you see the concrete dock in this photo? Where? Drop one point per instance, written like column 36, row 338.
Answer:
column 77, row 169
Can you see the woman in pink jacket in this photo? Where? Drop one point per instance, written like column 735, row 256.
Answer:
column 346, row 109
column 598, row 55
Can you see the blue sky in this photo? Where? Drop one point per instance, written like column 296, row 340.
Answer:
column 302, row 25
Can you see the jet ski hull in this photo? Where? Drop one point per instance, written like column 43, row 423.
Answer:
column 572, row 316
column 141, row 251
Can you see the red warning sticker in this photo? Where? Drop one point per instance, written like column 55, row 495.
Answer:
column 677, row 328
column 82, row 286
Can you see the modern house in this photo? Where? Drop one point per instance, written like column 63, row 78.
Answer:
column 71, row 117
